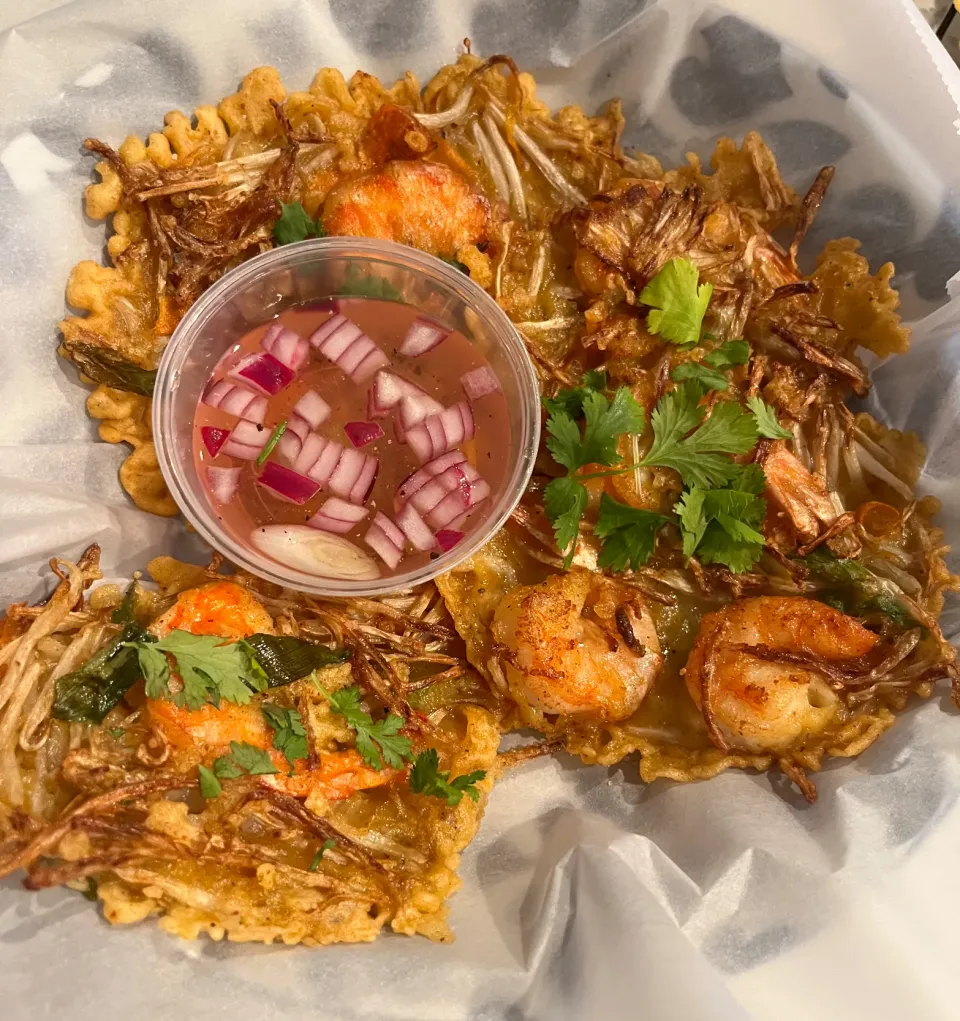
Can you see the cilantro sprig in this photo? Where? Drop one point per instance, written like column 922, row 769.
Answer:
column 242, row 760
column 721, row 509
column 678, row 302
column 378, row 741
column 289, row 734
column 210, row 668
column 766, row 418
column 295, row 224
column 426, row 777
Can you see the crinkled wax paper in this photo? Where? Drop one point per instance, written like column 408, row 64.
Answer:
column 586, row 894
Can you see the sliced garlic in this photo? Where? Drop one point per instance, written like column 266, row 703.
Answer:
column 314, row 552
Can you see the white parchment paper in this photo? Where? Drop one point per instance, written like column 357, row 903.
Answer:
column 587, row 894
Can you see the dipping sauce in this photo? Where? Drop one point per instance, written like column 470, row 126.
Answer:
column 396, row 430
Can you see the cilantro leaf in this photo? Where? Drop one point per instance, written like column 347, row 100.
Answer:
column 563, row 440
column 697, row 456
column 766, row 418
column 427, row 778
column 721, row 526
column 605, row 422
column 570, row 401
column 243, row 759
column 289, row 736
column 209, row 668
column 327, row 845
column 210, row 786
column 693, row 518
column 629, row 534
column 294, row 224
column 155, row 669
column 709, row 379
column 367, row 285
column 376, row 741
column 564, row 501
column 733, row 352
column 677, row 303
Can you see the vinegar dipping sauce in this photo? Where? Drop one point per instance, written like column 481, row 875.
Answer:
column 395, row 463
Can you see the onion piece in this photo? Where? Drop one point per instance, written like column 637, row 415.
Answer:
column 437, row 434
column 415, row 529
column 315, row 552
column 423, row 336
column 286, row 346
column 213, row 438
column 235, row 400
column 223, row 483
column 348, row 347
column 326, row 463
column 415, row 409
column 478, row 383
column 338, row 516
column 425, row 499
column 312, row 448
column 263, row 372
column 361, row 489
column 313, row 409
column 448, row 538
column 287, row 484
column 452, row 506
column 386, row 540
column 362, row 433
column 388, row 389
column 246, row 441
column 289, row 446
column 347, row 472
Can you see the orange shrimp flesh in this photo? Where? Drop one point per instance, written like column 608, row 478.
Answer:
column 756, row 705
column 227, row 610
column 424, row 205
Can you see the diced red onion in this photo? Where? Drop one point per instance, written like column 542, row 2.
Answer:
column 451, row 421
column 388, row 389
column 313, row 408
column 420, row 442
column 286, row 346
column 348, row 347
column 337, row 516
column 448, row 538
column 312, row 448
column 440, row 464
column 439, row 433
column 423, row 336
column 235, row 400
column 381, row 538
column 427, row 498
column 223, row 483
column 286, row 484
column 246, row 441
column 263, row 372
column 213, row 439
column 362, row 433
column 326, row 463
column 347, row 472
column 361, row 490
column 289, row 446
column 478, row 383
column 414, row 410
column 452, row 506
column 374, row 361
column 297, row 425
column 415, row 529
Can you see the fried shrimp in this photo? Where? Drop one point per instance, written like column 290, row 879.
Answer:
column 425, row 205
column 575, row 648
column 204, row 734
column 750, row 700
column 221, row 608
